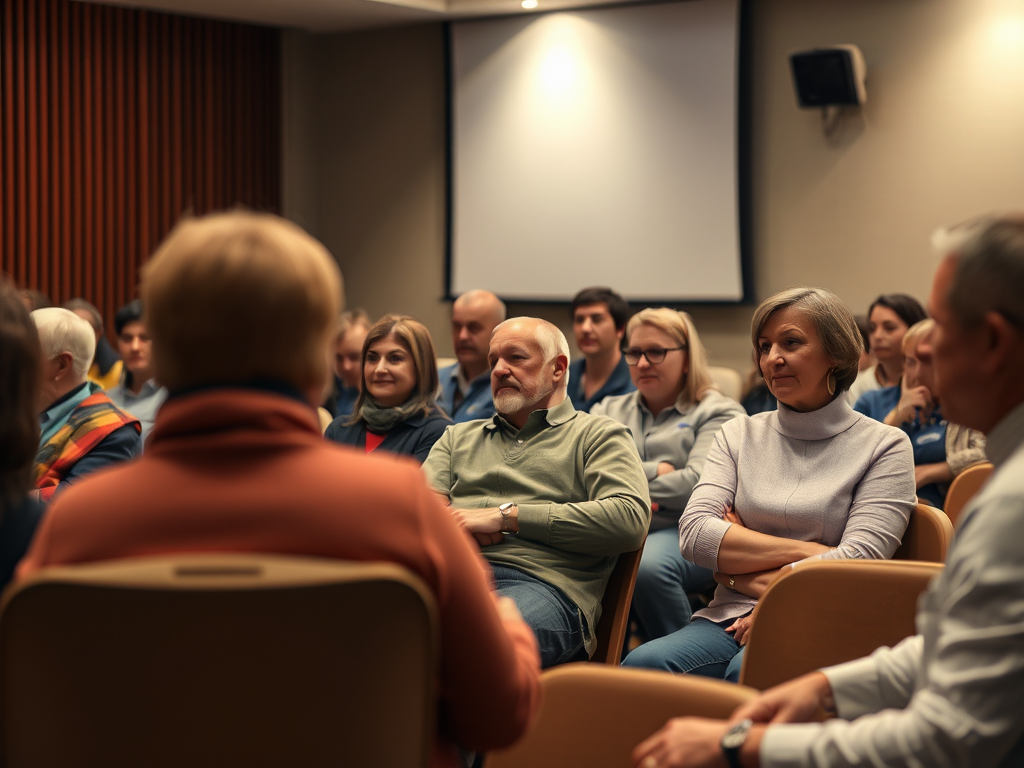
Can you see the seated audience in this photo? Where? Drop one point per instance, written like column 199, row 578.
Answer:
column 395, row 410
column 599, row 318
column 952, row 696
column 553, row 496
column 105, row 368
column 138, row 392
column 466, row 386
column 673, row 417
column 348, row 363
column 19, row 429
column 236, row 463
column 82, row 430
column 756, row 397
column 941, row 450
column 812, row 479
column 889, row 317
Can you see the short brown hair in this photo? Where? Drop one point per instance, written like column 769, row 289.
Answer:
column 679, row 325
column 415, row 337
column 833, row 321
column 261, row 282
column 19, row 388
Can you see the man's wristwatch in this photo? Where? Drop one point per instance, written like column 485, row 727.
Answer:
column 506, row 513
column 733, row 741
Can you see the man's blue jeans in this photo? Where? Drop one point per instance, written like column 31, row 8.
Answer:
column 660, row 602
column 702, row 647
column 554, row 618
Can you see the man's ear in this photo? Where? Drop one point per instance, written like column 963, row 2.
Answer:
column 65, row 365
column 620, row 333
column 561, row 366
column 1000, row 344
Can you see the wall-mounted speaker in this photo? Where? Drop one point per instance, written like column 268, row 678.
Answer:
column 827, row 77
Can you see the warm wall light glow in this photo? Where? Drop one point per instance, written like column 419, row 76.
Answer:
column 529, row 4
column 1009, row 33
column 559, row 70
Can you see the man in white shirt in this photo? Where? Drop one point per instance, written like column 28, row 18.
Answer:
column 952, row 695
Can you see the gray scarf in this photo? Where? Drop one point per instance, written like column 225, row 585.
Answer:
column 381, row 420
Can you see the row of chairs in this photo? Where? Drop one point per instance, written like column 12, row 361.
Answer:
column 248, row 659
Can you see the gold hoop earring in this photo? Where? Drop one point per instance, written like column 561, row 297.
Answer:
column 831, row 383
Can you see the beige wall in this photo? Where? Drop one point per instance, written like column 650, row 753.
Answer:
column 938, row 141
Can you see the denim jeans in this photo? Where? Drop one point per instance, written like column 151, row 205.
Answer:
column 660, row 602
column 554, row 618
column 702, row 647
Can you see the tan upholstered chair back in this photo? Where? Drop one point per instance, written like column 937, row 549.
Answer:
column 595, row 715
column 218, row 660
column 963, row 488
column 927, row 537
column 614, row 621
column 827, row 612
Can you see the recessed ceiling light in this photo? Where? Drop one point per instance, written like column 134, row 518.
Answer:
column 529, row 4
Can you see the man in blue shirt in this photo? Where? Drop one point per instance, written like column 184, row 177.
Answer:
column 599, row 318
column 466, row 386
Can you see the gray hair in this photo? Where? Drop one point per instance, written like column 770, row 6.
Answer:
column 989, row 273
column 840, row 337
column 548, row 335
column 61, row 330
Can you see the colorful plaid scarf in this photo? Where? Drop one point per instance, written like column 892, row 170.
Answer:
column 87, row 426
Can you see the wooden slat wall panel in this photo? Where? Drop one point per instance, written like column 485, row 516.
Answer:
column 114, row 123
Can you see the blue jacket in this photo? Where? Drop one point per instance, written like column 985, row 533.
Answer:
column 477, row 404
column 412, row 437
column 619, row 383
column 877, row 403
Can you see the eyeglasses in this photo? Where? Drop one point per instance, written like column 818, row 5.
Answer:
column 654, row 355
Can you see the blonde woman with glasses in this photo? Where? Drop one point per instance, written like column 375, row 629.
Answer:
column 674, row 416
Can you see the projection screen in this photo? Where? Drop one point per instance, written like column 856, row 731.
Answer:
column 597, row 147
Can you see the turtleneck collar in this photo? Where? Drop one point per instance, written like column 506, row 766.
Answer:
column 822, row 424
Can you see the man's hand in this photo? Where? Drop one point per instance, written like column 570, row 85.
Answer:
column 484, row 524
column 664, row 468
column 684, row 742
column 804, row 700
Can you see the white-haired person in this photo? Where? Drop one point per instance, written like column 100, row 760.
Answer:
column 81, row 430
column 552, row 495
column 812, row 479
column 236, row 463
column 673, row 416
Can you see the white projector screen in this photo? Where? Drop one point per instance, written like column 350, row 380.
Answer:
column 597, row 147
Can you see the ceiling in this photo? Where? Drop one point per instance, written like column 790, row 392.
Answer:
column 343, row 15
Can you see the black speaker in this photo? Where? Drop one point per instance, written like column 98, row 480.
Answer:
column 828, row 77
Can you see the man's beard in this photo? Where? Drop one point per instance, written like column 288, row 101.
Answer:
column 513, row 400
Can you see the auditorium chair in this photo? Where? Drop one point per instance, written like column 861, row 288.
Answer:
column 963, row 488
column 829, row 611
column 218, row 660
column 595, row 715
column 614, row 621
column 927, row 537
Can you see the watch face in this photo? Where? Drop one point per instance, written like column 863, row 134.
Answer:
column 736, row 735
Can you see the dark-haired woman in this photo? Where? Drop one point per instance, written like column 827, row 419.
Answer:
column 889, row 317
column 19, row 429
column 395, row 411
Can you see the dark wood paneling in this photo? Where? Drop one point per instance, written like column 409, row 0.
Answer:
column 116, row 122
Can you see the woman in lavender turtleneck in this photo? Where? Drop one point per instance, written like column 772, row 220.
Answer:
column 811, row 480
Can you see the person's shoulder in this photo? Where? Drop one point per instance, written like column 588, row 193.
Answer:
column 600, row 426
column 614, row 406
column 714, row 404
column 868, row 429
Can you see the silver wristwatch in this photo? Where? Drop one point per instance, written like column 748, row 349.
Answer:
column 506, row 512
